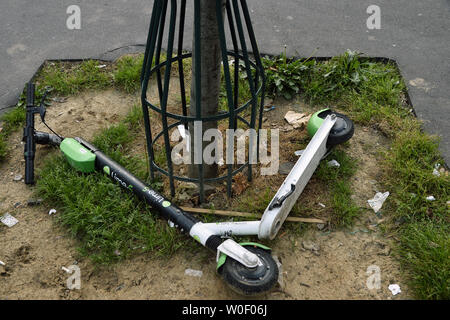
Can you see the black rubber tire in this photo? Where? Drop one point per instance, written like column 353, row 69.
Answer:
column 254, row 281
column 342, row 130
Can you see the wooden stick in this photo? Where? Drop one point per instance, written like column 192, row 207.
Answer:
column 247, row 215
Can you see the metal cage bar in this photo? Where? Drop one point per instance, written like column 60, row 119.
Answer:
column 236, row 16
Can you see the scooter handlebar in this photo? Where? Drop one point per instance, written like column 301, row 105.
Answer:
column 28, row 136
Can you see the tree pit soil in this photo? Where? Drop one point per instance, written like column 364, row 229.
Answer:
column 36, row 249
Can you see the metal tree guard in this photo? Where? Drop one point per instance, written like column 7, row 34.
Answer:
column 237, row 16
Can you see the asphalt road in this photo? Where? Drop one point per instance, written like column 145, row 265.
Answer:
column 414, row 33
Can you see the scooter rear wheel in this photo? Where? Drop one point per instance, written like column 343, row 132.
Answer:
column 341, row 132
column 251, row 281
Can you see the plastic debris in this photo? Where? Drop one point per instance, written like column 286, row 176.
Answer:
column 298, row 153
column 171, row 224
column 193, row 273
column 8, row 220
column 321, row 204
column 2, row 263
column 101, row 66
column 378, row 201
column 395, row 289
column 269, row 109
column 17, row 177
column 431, row 198
column 437, row 170
column 52, row 211
column 333, row 164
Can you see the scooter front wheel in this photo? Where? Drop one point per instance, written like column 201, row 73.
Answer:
column 251, row 281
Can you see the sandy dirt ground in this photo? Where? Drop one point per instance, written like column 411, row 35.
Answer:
column 35, row 250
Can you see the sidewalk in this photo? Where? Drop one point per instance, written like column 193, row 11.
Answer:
column 414, row 33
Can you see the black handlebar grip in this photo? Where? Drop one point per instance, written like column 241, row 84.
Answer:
column 30, row 94
column 28, row 136
column 46, row 138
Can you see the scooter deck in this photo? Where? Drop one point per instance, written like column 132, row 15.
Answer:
column 286, row 196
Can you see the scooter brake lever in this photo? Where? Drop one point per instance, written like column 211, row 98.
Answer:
column 277, row 202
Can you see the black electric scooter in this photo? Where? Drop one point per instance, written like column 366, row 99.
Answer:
column 247, row 268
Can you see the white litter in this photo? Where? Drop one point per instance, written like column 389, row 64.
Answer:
column 298, row 153
column 333, row 164
column 431, row 198
column 2, row 263
column 395, row 289
column 171, row 224
column 436, row 172
column 8, row 220
column 193, row 273
column 66, row 270
column 321, row 204
column 101, row 66
column 378, row 201
column 52, row 211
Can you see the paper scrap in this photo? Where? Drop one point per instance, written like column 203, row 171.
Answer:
column 378, row 201
column 8, row 220
column 333, row 164
column 297, row 120
column 395, row 289
column 193, row 273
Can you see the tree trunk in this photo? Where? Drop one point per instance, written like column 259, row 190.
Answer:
column 210, row 81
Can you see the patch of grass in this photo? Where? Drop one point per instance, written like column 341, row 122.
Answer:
column 3, row 146
column 410, row 164
column 285, row 77
column 338, row 182
column 128, row 73
column 67, row 79
column 424, row 234
column 255, row 201
column 9, row 122
column 13, row 119
column 346, row 78
column 110, row 224
column 424, row 251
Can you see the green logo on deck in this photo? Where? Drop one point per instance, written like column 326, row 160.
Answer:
column 106, row 170
column 166, row 204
